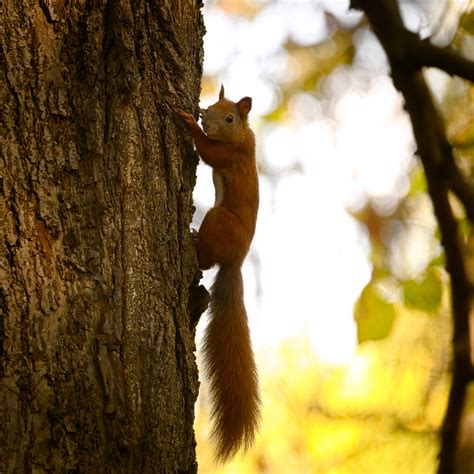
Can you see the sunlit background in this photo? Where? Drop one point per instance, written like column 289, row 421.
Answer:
column 345, row 288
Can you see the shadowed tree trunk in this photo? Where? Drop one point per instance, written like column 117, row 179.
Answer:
column 96, row 175
column 408, row 55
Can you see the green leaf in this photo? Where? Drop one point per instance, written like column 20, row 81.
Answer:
column 425, row 294
column 374, row 316
column 467, row 23
column 418, row 182
column 439, row 260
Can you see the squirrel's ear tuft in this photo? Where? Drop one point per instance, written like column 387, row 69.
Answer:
column 243, row 106
column 221, row 92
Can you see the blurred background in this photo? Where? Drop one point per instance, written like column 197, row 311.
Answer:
column 345, row 289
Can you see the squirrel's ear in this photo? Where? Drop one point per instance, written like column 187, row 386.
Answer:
column 243, row 106
column 221, row 92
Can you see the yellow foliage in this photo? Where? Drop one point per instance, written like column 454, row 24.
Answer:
column 384, row 408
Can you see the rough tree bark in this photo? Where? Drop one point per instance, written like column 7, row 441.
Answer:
column 97, row 261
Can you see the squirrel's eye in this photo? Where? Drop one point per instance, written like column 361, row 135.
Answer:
column 229, row 118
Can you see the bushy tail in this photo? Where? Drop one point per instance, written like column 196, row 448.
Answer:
column 230, row 366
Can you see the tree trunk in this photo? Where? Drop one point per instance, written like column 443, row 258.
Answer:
column 97, row 261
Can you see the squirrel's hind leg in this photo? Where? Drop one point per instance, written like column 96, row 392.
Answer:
column 222, row 239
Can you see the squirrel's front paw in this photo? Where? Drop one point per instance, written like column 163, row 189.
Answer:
column 187, row 117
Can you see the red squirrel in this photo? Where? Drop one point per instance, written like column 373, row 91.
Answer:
column 228, row 146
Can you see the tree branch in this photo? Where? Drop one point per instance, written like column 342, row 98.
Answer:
column 442, row 175
column 446, row 58
column 410, row 53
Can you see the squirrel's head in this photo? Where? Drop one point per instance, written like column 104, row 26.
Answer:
column 225, row 120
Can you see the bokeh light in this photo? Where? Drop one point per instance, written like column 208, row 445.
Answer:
column 343, row 208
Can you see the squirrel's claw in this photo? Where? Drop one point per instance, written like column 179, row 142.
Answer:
column 186, row 116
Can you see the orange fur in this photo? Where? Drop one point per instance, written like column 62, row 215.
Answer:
column 224, row 239
column 230, row 366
